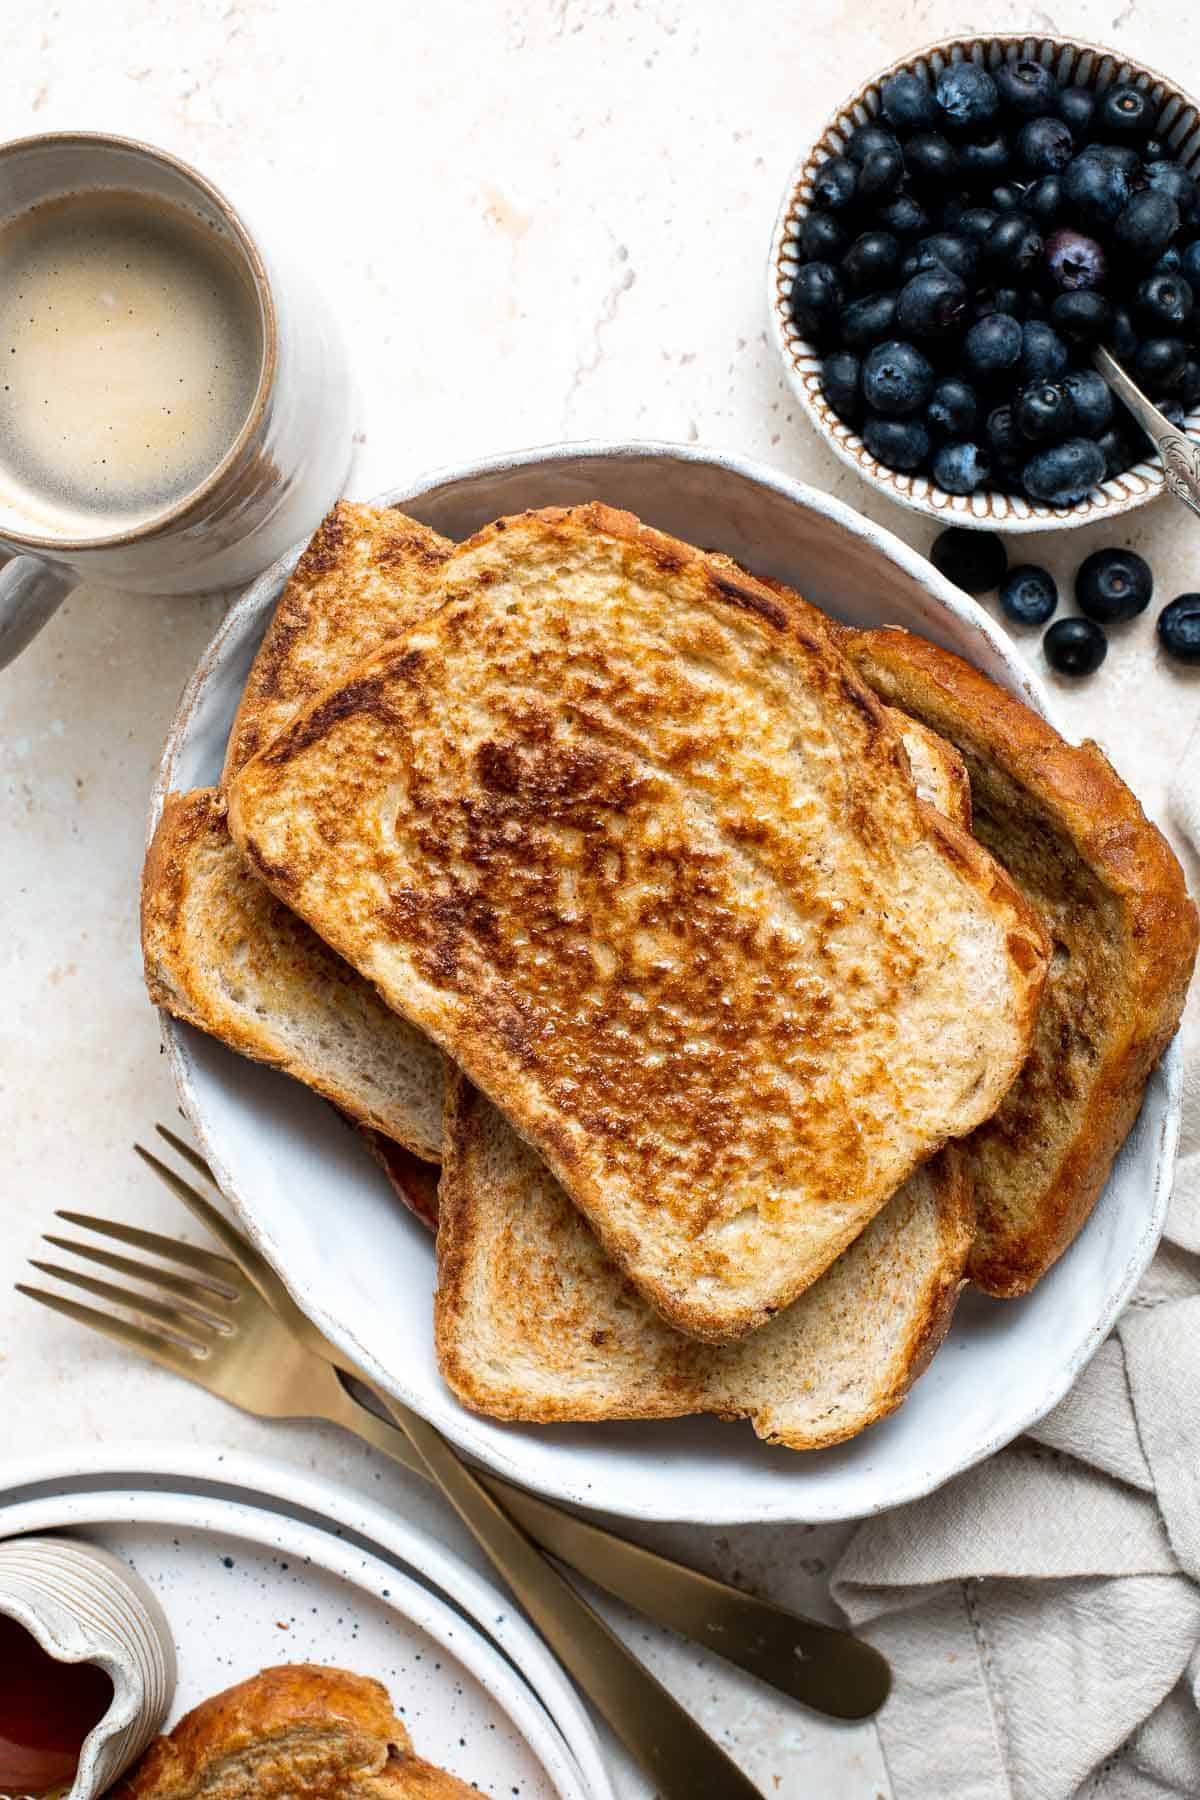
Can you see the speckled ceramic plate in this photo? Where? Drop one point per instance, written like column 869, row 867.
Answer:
column 363, row 1268
column 265, row 1566
column 1085, row 65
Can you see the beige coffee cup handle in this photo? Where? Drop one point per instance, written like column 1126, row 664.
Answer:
column 30, row 591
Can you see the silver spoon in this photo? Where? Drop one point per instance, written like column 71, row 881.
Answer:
column 1180, row 454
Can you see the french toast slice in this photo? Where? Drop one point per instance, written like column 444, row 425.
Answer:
column 223, row 953
column 1124, row 930
column 293, row 1732
column 219, row 950
column 629, row 839
column 533, row 1321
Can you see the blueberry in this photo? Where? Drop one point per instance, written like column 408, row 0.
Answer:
column 967, row 96
column 835, row 184
column 932, row 304
column 865, row 139
column 1189, row 261
column 1172, row 411
column 1073, row 260
column 1120, row 156
column 1120, row 336
column 1000, row 300
column 880, row 174
column 992, row 345
column 1075, row 646
column 840, row 373
column 1043, row 202
column 985, row 160
column 822, row 239
column 1044, row 146
column 975, row 561
column 1076, row 106
column 1126, row 112
column 1147, row 224
column 951, row 210
column 898, row 443
column 952, row 409
column 943, row 249
column 816, row 299
column 1095, row 188
column 976, row 222
column 1064, row 473
column 1170, row 263
column 961, row 468
column 1043, row 353
column 929, row 158
column 1092, row 399
column 1163, row 304
column 871, row 260
column 1012, row 246
column 1026, row 87
column 1159, row 362
column 1187, row 388
column 908, row 102
column 1009, row 196
column 869, row 320
column 1169, row 179
column 1044, row 412
column 1112, row 586
column 1117, row 455
column 896, row 379
column 1154, row 150
column 1082, row 316
column 1179, row 628
column 1028, row 595
column 1007, row 445
column 902, row 215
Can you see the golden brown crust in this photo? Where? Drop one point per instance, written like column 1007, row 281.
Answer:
column 367, row 573
column 559, row 820
column 1114, row 895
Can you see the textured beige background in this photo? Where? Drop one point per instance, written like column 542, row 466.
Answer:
column 538, row 221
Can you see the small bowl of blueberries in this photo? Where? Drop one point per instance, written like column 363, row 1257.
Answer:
column 966, row 231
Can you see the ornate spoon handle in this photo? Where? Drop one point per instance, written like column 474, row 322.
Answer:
column 1180, row 453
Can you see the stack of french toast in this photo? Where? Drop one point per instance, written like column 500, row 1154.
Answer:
column 748, row 983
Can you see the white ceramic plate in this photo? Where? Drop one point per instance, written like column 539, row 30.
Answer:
column 364, row 1271
column 264, row 1566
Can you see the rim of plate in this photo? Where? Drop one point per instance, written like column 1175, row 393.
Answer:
column 473, row 1621
column 1094, row 65
column 690, row 1506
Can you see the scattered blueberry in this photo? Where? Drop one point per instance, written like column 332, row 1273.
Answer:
column 899, row 443
column 1028, row 595
column 908, row 102
column 961, row 468
column 952, row 410
column 975, row 561
column 896, row 379
column 1074, row 260
column 1112, row 586
column 1064, row 473
column 967, row 96
column 1026, row 87
column 1179, row 628
column 1075, row 646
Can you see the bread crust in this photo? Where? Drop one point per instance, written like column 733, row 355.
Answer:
column 328, row 861
column 1150, row 945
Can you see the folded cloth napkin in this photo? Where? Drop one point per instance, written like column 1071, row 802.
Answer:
column 1042, row 1612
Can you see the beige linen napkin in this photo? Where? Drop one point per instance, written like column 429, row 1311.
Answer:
column 1042, row 1612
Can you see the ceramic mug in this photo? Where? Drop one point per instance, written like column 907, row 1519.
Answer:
column 277, row 476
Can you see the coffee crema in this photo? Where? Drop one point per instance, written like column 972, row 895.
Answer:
column 131, row 345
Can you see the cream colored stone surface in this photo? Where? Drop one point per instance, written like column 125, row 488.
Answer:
column 538, row 221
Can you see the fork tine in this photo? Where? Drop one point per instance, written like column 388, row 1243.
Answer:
column 188, row 1154
column 190, row 1330
column 208, row 1215
column 199, row 1294
column 203, row 1262
column 133, row 1337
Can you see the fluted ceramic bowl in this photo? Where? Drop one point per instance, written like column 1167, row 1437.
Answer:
column 1073, row 63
